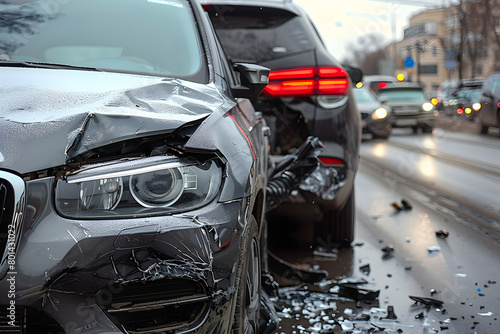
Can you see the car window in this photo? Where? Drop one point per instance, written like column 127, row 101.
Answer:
column 403, row 95
column 364, row 96
column 269, row 33
column 157, row 37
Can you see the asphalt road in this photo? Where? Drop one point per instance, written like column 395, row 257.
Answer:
column 427, row 283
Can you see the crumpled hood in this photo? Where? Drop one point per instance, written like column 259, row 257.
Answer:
column 50, row 116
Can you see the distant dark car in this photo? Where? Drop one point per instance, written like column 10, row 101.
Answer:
column 309, row 93
column 375, row 117
column 464, row 101
column 133, row 171
column 444, row 91
column 489, row 114
column 410, row 107
column 377, row 82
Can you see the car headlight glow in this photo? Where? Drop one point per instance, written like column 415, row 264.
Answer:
column 380, row 113
column 427, row 106
column 138, row 187
column 476, row 106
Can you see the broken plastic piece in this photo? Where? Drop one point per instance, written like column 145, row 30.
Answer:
column 397, row 206
column 443, row 234
column 294, row 272
column 379, row 318
column 433, row 292
column 358, row 294
column 406, row 205
column 390, row 312
column 420, row 315
column 388, row 249
column 427, row 301
column 365, row 269
column 434, row 249
column 489, row 314
column 326, row 252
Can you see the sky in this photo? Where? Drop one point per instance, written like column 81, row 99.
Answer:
column 340, row 22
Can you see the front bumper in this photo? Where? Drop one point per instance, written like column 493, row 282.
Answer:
column 164, row 274
column 414, row 120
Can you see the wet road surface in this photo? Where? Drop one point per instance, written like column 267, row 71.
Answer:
column 452, row 182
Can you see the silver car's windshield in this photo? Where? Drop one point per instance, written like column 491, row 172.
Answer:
column 157, row 37
column 401, row 95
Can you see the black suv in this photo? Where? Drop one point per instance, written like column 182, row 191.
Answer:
column 309, row 93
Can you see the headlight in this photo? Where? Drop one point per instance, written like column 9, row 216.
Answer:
column 138, row 187
column 476, row 106
column 380, row 113
column 427, row 106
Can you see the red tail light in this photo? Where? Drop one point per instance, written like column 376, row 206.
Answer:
column 327, row 161
column 382, row 85
column 308, row 82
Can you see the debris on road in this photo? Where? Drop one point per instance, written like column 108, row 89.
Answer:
column 404, row 206
column 365, row 269
column 443, row 234
column 434, row 249
column 326, row 252
column 427, row 301
column 397, row 206
column 358, row 294
column 295, row 272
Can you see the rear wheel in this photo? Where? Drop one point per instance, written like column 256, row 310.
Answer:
column 339, row 225
column 247, row 312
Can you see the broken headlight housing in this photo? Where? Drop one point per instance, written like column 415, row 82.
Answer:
column 138, row 187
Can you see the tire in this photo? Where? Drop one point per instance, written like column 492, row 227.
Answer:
column 484, row 129
column 339, row 225
column 427, row 129
column 247, row 311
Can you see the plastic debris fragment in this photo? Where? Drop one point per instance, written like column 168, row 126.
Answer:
column 406, row 205
column 443, row 234
column 397, row 206
column 358, row 294
column 390, row 312
column 427, row 301
column 365, row 269
column 379, row 318
column 434, row 249
column 326, row 252
column 488, row 314
column 388, row 249
column 433, row 292
column 420, row 315
column 460, row 275
column 295, row 272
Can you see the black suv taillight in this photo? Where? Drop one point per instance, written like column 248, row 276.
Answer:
column 310, row 81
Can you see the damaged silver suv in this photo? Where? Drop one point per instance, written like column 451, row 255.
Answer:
column 133, row 171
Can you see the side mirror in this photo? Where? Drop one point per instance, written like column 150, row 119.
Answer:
column 355, row 73
column 382, row 99
column 254, row 79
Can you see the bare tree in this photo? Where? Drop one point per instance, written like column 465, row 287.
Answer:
column 366, row 52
